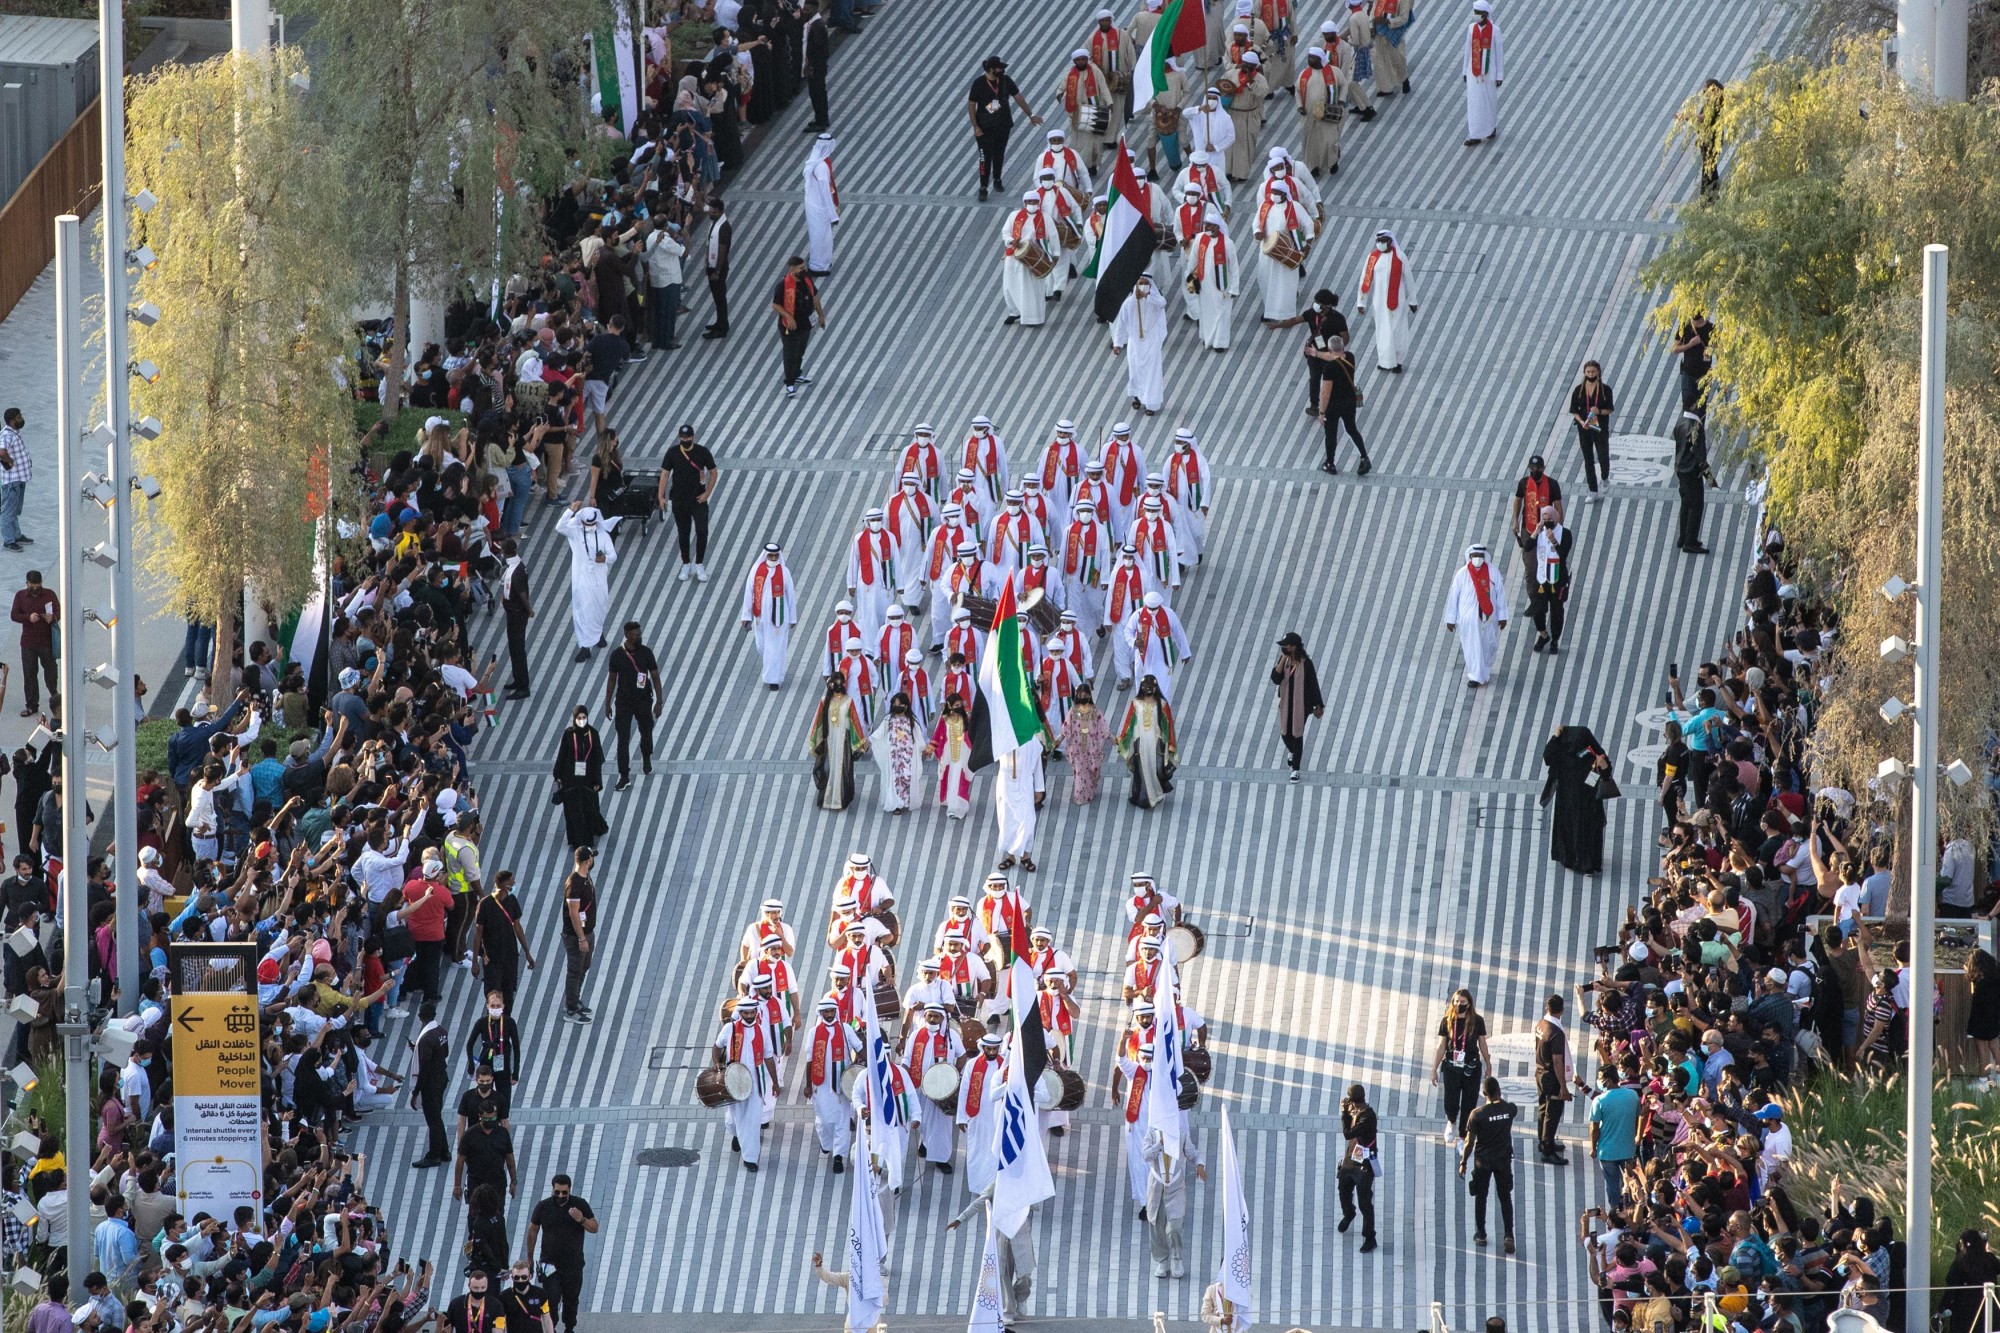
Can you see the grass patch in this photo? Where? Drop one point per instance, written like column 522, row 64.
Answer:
column 149, row 748
column 692, row 41
column 407, row 422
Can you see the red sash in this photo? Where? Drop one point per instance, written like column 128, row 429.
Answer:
column 1021, row 216
column 1395, row 276
column 944, row 548
column 756, row 1047
column 892, row 654
column 776, row 574
column 817, row 1064
column 1058, row 460
column 1482, row 587
column 958, row 684
column 1082, row 81
column 873, row 547
column 1482, row 46
column 1122, row 463
column 921, row 1055
column 1080, row 549
column 1128, row 587
column 975, row 1085
column 1055, row 1014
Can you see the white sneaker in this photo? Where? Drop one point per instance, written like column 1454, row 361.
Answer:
column 1179, row 1268
column 464, row 963
column 687, row 572
column 399, row 1012
column 1159, row 1268
column 701, row 573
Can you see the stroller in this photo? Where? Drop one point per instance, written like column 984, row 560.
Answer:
column 637, row 498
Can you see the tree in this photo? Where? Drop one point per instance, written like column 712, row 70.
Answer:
column 253, row 329
column 443, row 112
column 1809, row 260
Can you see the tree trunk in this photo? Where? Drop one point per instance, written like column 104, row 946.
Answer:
column 391, row 391
column 222, row 668
column 1902, row 867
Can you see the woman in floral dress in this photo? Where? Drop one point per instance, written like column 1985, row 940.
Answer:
column 1083, row 736
column 895, row 745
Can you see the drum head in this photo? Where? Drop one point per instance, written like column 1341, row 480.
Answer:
column 1048, row 1090
column 737, row 1079
column 940, row 1083
column 848, row 1078
column 1073, row 1090
column 1198, row 1062
column 1188, row 942
column 1190, row 1092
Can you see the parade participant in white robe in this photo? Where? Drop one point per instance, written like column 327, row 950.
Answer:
column 1063, row 213
column 962, row 963
column 1166, row 1199
column 1025, row 239
column 920, row 457
column 1392, row 68
column 896, row 641
column 822, row 206
column 769, row 925
column 591, row 555
column 863, row 692
column 981, row 1089
column 1479, row 65
column 1139, row 334
column 1339, row 52
column 1321, row 90
column 928, row 989
column 1357, row 30
column 933, row 1042
column 1039, row 576
column 1476, row 611
column 1071, row 171
column 1072, row 633
column 912, row 518
column 1124, row 466
column 831, row 1048
column 1019, row 781
column 741, row 1041
column 951, row 747
column 1279, row 165
column 1093, row 491
column 1176, row 515
column 1061, row 468
column 1111, row 50
column 1187, row 222
column 1247, row 88
column 1056, row 684
column 970, row 576
column 960, row 922
column 1159, row 643
column 1214, row 281
column 1014, row 531
column 969, row 494
column 1201, row 171
column 770, row 609
column 785, row 986
column 1158, row 548
column 1086, row 563
column 834, row 642
column 1138, row 1073
column 1190, row 483
column 1036, row 503
column 1249, row 32
column 1125, row 592
column 914, row 679
column 962, row 640
column 1003, row 909
column 871, row 573
column 950, row 535
column 1282, row 224
column 1158, row 209
column 1276, row 16
column 1086, row 100
column 1386, row 294
column 897, row 746
column 986, row 454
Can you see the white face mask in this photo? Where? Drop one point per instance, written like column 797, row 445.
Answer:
column 495, row 1011
column 1382, row 246
column 909, row 488
column 874, row 525
column 1143, row 289
column 581, row 719
column 1477, row 561
column 843, row 616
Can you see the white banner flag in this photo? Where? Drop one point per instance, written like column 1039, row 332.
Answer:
column 1234, row 1275
column 866, row 1243
column 1023, row 1179
column 1163, row 1087
column 986, row 1303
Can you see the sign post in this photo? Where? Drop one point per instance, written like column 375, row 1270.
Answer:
column 218, row 1121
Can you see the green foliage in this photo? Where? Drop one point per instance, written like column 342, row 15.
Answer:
column 254, row 324
column 692, row 41
column 45, row 1103
column 1851, row 1130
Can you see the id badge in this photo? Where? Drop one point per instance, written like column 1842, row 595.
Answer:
column 576, row 768
column 1590, row 778
column 1458, row 1056
column 499, row 1062
column 600, row 557
column 1358, row 1153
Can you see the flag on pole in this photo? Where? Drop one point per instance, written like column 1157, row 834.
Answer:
column 882, row 1091
column 1163, row 1089
column 1005, row 712
column 1126, row 247
column 866, row 1243
column 986, row 1304
column 1179, row 31
column 1234, row 1275
column 1023, row 1178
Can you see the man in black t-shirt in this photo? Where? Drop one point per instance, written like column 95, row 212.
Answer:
column 560, row 1223
column 632, row 693
column 990, row 103
column 579, row 934
column 795, row 302
column 485, row 1157
column 604, row 356
column 687, row 479
column 525, row 1305
column 499, row 940
column 1323, row 322
column 1692, row 348
column 1489, row 1147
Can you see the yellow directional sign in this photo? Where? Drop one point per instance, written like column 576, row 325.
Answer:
column 215, row 1044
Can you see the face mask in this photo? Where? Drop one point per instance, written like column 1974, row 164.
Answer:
column 520, row 1283
column 580, row 719
column 495, row 1011
column 1382, row 246
column 1478, row 561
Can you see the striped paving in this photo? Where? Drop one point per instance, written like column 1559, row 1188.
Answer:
column 1339, row 912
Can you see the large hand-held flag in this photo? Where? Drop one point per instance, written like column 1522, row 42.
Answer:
column 1163, row 1089
column 1126, row 248
column 1179, row 31
column 1234, row 1275
column 866, row 1242
column 1023, row 1180
column 1005, row 712
column 986, row 1303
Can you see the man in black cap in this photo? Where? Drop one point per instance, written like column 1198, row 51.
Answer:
column 1691, row 475
column 1323, row 322
column 687, row 479
column 1531, row 493
column 988, row 104
column 1489, row 1148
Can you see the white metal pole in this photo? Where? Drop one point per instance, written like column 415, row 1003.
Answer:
column 1924, row 821
column 1916, row 38
column 118, row 412
column 1951, row 21
column 75, row 1029
column 250, row 25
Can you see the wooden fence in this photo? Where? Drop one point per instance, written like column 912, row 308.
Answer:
column 68, row 180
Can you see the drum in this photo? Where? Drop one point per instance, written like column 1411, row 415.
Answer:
column 1043, row 616
column 1198, row 1062
column 1049, row 1089
column 729, row 1008
column 891, row 923
column 710, row 1088
column 738, row 1081
column 1285, row 251
column 940, row 1084
column 1037, row 260
column 1190, row 1091
column 1070, row 237
column 1166, row 120
column 848, row 1078
column 1093, row 119
column 982, row 609
column 970, row 1030
column 888, row 1005
column 1073, row 1090
column 1187, row 939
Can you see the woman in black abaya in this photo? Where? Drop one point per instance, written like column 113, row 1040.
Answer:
column 1579, row 782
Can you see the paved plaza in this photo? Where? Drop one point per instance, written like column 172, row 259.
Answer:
column 1340, row 912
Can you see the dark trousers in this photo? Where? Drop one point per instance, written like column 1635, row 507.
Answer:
column 1694, row 499
column 816, row 90
column 1357, row 1194
column 427, row 969
column 45, row 658
column 992, row 154
column 1596, row 446
column 663, row 307
column 1337, row 416
column 1701, row 767
column 1691, row 387
column 795, row 341
column 1547, row 610
column 440, row 1143
column 1501, row 1178
column 625, row 715
column 691, row 521
column 718, row 296
column 503, row 976
column 1461, row 1094
column 577, row 967
column 1548, row 1113
column 517, row 650
column 1295, row 750
column 1313, row 377
column 565, row 1293
column 455, row 922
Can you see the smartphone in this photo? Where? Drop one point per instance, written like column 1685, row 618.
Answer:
column 1673, row 671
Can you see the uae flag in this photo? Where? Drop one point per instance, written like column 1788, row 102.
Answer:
column 1179, row 31
column 1125, row 250
column 1005, row 713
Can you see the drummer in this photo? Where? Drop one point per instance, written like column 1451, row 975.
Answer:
column 831, row 1050
column 1049, row 961
column 1152, row 927
column 784, row 981
column 770, row 924
column 971, row 981
column 777, row 1018
column 1059, row 1014
column 1139, row 972
column 929, row 988
column 935, row 1045
column 981, row 1092
column 741, row 1043
column 1002, row 904
column 1138, row 1031
column 845, row 995
column 869, row 890
column 959, row 921
column 1146, row 899
column 846, row 911
column 865, row 962
column 1128, row 1093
